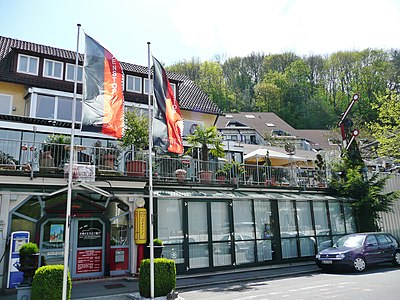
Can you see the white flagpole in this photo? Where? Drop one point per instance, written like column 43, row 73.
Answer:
column 151, row 178
column 70, row 170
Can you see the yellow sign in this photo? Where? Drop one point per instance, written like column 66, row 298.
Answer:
column 140, row 228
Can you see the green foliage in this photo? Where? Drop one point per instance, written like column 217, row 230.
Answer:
column 158, row 242
column 136, row 130
column 368, row 194
column 202, row 137
column 47, row 283
column 55, row 143
column 307, row 92
column 386, row 127
column 28, row 248
column 164, row 277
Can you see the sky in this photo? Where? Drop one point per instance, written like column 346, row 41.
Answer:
column 180, row 30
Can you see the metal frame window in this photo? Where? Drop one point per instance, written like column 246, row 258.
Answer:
column 133, row 84
column 70, row 72
column 53, row 69
column 28, row 64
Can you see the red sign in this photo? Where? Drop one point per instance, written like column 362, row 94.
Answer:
column 88, row 261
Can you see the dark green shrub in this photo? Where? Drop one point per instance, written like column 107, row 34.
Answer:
column 158, row 242
column 164, row 277
column 48, row 283
column 28, row 248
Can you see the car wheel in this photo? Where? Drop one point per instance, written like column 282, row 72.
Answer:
column 396, row 258
column 359, row 264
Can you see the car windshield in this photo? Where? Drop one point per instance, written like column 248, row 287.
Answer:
column 351, row 241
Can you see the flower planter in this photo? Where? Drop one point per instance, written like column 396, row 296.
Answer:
column 205, row 176
column 136, row 168
column 28, row 265
column 180, row 175
column 221, row 179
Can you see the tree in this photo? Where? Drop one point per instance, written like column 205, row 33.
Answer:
column 201, row 138
column 386, row 128
column 136, row 130
column 368, row 195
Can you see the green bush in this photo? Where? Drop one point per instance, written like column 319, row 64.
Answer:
column 164, row 277
column 47, row 283
column 158, row 242
column 28, row 248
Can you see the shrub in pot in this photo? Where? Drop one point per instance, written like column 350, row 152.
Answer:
column 164, row 277
column 158, row 247
column 48, row 283
column 28, row 261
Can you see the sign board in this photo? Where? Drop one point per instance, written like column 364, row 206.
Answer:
column 88, row 261
column 15, row 277
column 81, row 172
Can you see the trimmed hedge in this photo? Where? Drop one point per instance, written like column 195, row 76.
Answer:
column 47, row 283
column 28, row 248
column 164, row 277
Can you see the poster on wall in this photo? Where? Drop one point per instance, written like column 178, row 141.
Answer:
column 56, row 233
column 15, row 276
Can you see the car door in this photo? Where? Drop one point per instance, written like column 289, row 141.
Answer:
column 372, row 249
column 385, row 245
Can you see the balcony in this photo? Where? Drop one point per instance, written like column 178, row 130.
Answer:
column 19, row 158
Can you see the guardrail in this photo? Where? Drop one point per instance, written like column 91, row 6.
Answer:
column 49, row 159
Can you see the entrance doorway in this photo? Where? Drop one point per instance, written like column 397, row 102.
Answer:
column 88, row 247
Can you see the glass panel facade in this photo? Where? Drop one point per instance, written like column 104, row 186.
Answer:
column 350, row 221
column 336, row 218
column 170, row 217
column 221, row 232
column 304, row 218
column 288, row 229
column 263, row 219
column 321, row 218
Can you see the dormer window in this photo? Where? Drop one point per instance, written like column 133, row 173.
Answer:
column 53, row 69
column 70, row 73
column 133, row 84
column 28, row 64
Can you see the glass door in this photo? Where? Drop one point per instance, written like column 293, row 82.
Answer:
column 221, row 224
column 198, row 235
column 88, row 247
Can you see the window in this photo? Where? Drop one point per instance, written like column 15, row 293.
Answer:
column 28, row 64
column 250, row 116
column 173, row 87
column 146, row 86
column 371, row 240
column 133, row 84
column 270, row 124
column 5, row 104
column 69, row 76
column 53, row 105
column 52, row 69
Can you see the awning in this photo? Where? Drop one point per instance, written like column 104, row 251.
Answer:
column 259, row 156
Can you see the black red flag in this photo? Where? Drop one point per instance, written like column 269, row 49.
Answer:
column 168, row 122
column 103, row 98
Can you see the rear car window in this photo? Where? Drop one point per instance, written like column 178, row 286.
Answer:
column 383, row 239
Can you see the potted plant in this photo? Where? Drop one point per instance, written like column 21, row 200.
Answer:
column 55, row 143
column 106, row 157
column 136, row 135
column 236, row 170
column 158, row 245
column 28, row 261
column 220, row 175
column 202, row 138
column 180, row 174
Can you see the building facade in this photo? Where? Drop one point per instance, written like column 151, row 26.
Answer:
column 236, row 222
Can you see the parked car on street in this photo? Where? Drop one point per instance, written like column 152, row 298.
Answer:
column 359, row 250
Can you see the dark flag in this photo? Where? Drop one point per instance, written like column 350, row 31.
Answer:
column 168, row 122
column 103, row 98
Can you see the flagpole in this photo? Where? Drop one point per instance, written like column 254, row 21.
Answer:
column 150, row 177
column 70, row 170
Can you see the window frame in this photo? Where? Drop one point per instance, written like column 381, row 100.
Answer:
column 133, row 77
column 29, row 57
column 73, row 74
column 52, row 71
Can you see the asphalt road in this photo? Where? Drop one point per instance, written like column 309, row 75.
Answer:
column 376, row 283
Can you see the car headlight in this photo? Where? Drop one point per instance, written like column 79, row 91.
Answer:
column 340, row 256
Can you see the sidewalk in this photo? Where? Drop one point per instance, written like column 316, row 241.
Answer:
column 121, row 287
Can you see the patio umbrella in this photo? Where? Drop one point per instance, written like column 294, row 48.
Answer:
column 277, row 158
